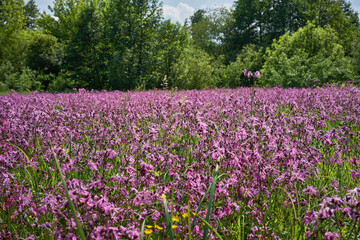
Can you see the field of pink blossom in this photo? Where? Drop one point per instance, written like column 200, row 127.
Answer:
column 209, row 164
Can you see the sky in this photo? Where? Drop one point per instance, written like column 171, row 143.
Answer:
column 179, row 10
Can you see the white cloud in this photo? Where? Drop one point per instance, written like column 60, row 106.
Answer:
column 356, row 7
column 178, row 13
column 216, row 5
column 43, row 5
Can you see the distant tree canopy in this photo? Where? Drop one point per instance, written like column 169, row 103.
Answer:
column 312, row 55
column 262, row 21
column 126, row 44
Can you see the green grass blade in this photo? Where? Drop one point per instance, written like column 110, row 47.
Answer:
column 243, row 227
column 206, row 228
column 207, row 224
column 189, row 222
column 72, row 206
column 168, row 219
column 221, row 226
column 142, row 230
column 32, row 181
column 294, row 225
column 198, row 208
column 239, row 228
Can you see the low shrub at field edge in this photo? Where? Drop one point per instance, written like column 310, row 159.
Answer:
column 288, row 164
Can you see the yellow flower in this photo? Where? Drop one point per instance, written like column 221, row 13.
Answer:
column 185, row 215
column 149, row 226
column 148, row 231
column 175, row 218
column 158, row 227
column 162, row 196
column 174, row 226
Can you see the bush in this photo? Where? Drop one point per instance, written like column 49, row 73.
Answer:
column 27, row 81
column 24, row 79
column 310, row 54
column 195, row 69
column 250, row 58
column 62, row 83
column 122, row 75
column 45, row 53
column 356, row 54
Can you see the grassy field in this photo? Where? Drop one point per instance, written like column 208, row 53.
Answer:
column 211, row 164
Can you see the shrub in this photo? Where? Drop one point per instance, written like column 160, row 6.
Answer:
column 251, row 58
column 195, row 69
column 23, row 79
column 62, row 83
column 310, row 54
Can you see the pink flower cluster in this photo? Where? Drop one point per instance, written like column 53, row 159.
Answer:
column 121, row 151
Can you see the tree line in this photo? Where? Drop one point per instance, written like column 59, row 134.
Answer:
column 126, row 45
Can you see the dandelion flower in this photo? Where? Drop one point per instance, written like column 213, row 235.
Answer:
column 148, row 231
column 158, row 227
column 174, row 226
column 175, row 218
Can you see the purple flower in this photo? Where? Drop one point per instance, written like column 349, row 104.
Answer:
column 331, row 235
column 354, row 174
column 254, row 229
column 128, row 148
column 310, row 190
column 30, row 237
column 354, row 161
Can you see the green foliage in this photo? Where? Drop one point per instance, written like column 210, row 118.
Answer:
column 311, row 53
column 207, row 28
column 195, row 69
column 14, row 49
column 14, row 74
column 172, row 40
column 6, row 75
column 63, row 82
column 125, row 44
column 244, row 16
column 31, row 14
column 45, row 53
column 11, row 24
column 65, row 15
column 260, row 22
column 86, row 53
column 32, row 61
column 337, row 14
column 250, row 58
column 121, row 73
column 356, row 53
column 24, row 79
column 11, row 17
column 131, row 30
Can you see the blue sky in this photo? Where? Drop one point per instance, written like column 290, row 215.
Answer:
column 179, row 10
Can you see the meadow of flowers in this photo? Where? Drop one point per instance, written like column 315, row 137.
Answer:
column 209, row 164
